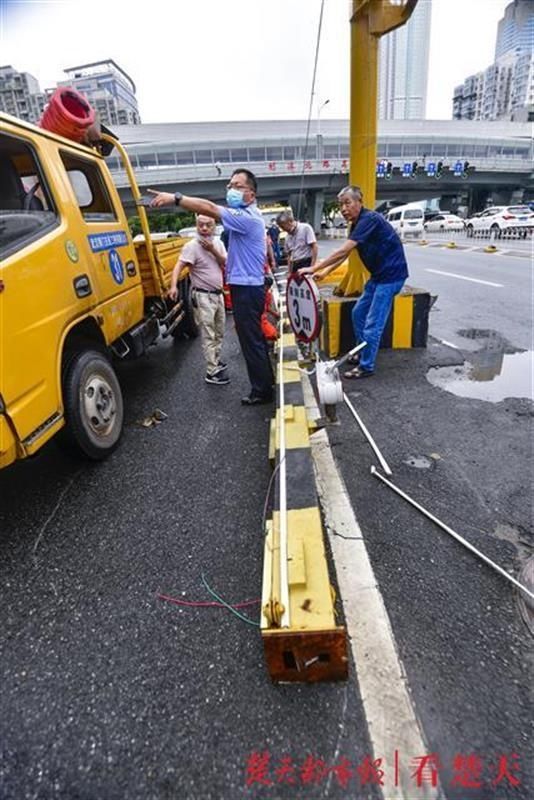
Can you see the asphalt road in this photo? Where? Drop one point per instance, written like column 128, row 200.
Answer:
column 465, row 648
column 110, row 692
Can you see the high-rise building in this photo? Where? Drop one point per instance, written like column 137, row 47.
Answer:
column 403, row 67
column 516, row 29
column 109, row 90
column 522, row 94
column 505, row 90
column 20, row 94
column 467, row 98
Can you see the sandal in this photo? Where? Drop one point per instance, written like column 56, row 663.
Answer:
column 357, row 372
column 354, row 359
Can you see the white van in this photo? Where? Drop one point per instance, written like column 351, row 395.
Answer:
column 407, row 220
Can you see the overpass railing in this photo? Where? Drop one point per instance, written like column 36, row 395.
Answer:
column 193, row 173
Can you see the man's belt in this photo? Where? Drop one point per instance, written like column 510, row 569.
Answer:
column 301, row 263
column 207, row 291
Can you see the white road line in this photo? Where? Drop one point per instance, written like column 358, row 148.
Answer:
column 391, row 719
column 448, row 344
column 463, row 278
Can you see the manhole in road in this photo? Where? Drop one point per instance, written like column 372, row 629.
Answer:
column 419, row 462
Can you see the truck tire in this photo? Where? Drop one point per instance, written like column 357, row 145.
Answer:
column 94, row 409
column 187, row 327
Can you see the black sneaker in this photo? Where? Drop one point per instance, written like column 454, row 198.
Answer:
column 218, row 378
column 358, row 372
column 219, row 368
column 256, row 400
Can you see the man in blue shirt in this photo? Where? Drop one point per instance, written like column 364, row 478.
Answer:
column 382, row 254
column 244, row 271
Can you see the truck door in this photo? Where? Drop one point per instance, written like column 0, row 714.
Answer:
column 39, row 266
column 104, row 237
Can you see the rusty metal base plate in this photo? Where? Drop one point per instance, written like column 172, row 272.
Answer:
column 306, row 656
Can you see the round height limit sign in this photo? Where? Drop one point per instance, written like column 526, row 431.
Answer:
column 302, row 303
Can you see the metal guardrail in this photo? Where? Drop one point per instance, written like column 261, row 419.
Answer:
column 512, row 233
column 519, row 232
column 334, row 233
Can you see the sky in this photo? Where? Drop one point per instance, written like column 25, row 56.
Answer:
column 204, row 60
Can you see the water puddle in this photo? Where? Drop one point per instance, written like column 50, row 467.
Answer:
column 489, row 373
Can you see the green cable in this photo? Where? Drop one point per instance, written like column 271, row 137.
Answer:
column 227, row 605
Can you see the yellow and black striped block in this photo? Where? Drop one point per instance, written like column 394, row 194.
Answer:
column 313, row 647
column 407, row 325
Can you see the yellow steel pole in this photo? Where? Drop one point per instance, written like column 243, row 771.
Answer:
column 370, row 19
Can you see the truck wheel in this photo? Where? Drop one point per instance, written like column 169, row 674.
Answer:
column 188, row 327
column 93, row 405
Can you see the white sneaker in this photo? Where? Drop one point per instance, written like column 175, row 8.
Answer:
column 218, row 378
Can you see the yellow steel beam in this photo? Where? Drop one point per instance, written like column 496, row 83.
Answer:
column 310, row 646
column 370, row 20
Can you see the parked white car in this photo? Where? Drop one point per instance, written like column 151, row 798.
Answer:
column 444, row 222
column 500, row 218
column 187, row 233
column 157, row 236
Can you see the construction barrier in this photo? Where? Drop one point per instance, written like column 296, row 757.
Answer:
column 302, row 641
column 407, row 324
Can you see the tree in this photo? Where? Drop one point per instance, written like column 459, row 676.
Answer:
column 163, row 221
column 330, row 210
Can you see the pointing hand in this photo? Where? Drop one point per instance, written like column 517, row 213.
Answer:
column 161, row 198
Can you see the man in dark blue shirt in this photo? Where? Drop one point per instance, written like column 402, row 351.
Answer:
column 382, row 254
column 273, row 231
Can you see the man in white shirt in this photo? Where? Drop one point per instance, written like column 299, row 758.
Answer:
column 300, row 245
column 205, row 258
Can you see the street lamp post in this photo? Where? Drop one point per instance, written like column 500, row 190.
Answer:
column 320, row 108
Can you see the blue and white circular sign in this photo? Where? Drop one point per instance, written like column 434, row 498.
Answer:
column 115, row 265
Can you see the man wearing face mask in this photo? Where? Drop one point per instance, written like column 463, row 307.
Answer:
column 244, row 271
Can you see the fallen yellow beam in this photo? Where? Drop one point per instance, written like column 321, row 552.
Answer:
column 312, row 647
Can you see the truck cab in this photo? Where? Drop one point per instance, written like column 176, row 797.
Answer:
column 74, row 293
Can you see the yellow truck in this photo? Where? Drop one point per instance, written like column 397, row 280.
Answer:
column 76, row 293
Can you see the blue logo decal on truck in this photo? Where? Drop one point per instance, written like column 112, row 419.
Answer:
column 115, row 265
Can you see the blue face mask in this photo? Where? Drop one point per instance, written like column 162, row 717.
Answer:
column 234, row 198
